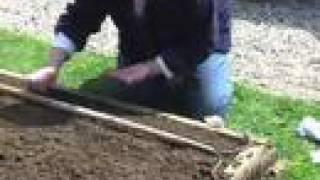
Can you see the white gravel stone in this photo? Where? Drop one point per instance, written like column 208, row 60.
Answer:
column 276, row 43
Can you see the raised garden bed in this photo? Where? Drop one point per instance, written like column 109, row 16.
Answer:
column 46, row 138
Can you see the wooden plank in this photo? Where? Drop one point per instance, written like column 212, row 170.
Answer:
column 252, row 163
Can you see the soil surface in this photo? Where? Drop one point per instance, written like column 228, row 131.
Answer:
column 41, row 143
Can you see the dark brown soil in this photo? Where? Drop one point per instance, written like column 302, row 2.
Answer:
column 41, row 143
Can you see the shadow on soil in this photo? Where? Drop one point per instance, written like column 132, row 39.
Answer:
column 18, row 113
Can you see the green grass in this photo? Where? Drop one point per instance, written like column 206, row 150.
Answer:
column 277, row 118
column 255, row 112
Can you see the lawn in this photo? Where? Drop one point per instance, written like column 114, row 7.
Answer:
column 255, row 111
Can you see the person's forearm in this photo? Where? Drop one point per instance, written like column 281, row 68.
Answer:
column 57, row 57
column 62, row 50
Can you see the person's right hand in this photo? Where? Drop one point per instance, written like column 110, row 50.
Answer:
column 43, row 79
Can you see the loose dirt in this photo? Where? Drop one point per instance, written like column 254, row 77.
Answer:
column 41, row 143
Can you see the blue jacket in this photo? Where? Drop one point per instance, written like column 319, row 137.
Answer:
column 183, row 32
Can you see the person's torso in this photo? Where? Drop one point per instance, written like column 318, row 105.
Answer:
column 159, row 24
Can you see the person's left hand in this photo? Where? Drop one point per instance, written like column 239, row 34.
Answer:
column 137, row 73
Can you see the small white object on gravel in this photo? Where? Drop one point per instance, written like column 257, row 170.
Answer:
column 276, row 42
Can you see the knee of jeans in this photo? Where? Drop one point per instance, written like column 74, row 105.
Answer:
column 214, row 63
column 220, row 104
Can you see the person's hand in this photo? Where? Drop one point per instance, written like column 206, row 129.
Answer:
column 44, row 79
column 137, row 73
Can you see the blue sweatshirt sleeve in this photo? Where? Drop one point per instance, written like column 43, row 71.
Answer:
column 81, row 19
column 180, row 60
column 221, row 25
column 214, row 36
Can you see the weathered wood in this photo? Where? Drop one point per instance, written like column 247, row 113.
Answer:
column 252, row 163
column 277, row 171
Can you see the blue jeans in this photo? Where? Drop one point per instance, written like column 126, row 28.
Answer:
column 214, row 93
column 211, row 95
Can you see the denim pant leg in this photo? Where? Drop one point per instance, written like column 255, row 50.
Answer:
column 214, row 91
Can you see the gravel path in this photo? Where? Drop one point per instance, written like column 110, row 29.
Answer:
column 275, row 43
column 277, row 46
